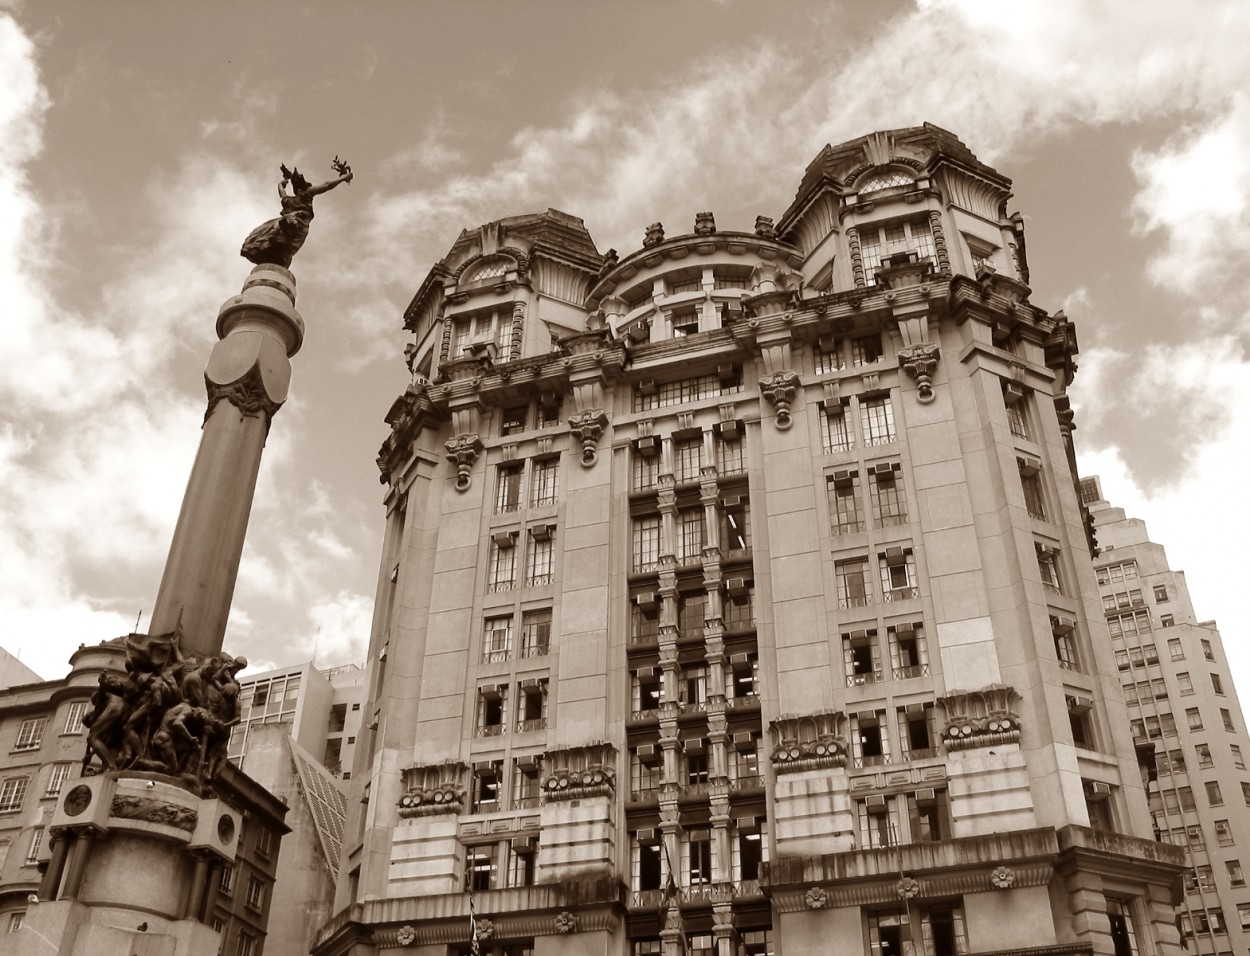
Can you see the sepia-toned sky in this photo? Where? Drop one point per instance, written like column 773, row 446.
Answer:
column 140, row 142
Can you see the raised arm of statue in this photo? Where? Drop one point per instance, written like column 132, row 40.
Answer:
column 277, row 240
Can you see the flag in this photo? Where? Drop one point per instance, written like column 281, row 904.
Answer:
column 474, row 948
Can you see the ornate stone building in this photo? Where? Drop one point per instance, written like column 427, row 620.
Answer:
column 726, row 592
column 1183, row 707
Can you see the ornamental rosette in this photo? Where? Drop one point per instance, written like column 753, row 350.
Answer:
column 406, row 936
column 485, row 929
column 1002, row 877
column 566, row 922
column 816, row 898
column 908, row 888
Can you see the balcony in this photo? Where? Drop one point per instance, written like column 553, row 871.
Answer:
column 495, row 656
column 744, row 704
column 911, row 670
column 536, row 723
column 902, row 594
column 491, row 730
column 535, row 650
column 861, row 680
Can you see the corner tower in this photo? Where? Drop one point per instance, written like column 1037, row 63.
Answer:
column 736, row 597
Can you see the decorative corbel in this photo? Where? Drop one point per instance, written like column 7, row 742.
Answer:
column 587, row 427
column 780, row 389
column 920, row 362
column 463, row 450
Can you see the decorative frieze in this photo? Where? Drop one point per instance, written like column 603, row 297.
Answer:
column 436, row 790
column 808, row 742
column 980, row 718
column 578, row 772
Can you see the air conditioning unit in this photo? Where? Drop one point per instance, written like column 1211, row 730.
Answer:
column 895, row 557
column 1062, row 625
column 648, row 674
column 926, row 798
column 528, row 761
column 1097, row 790
column 876, row 804
column 647, row 386
column 647, row 599
column 648, row 837
column 843, row 479
column 744, row 742
column 533, row 683
column 525, row 844
column 541, row 532
column 694, row 745
column 484, row 766
column 741, row 662
column 492, row 691
column 648, row 754
column 649, row 445
column 732, row 501
column 483, row 348
column 1013, row 392
column 731, row 430
column 1079, row 705
column 726, row 373
column 504, row 539
column 904, row 631
column 883, row 468
column 746, row 824
column 736, row 587
column 1028, row 465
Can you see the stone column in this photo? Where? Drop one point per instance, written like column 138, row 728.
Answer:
column 247, row 377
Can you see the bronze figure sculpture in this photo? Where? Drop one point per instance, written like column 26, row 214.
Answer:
column 277, row 240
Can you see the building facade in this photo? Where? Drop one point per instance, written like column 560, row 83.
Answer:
column 1182, row 702
column 721, row 599
column 42, row 744
column 320, row 707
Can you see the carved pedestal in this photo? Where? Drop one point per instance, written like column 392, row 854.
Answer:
column 131, row 870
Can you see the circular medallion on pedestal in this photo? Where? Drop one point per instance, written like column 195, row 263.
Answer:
column 77, row 800
column 225, row 828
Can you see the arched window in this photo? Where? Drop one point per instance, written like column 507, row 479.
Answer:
column 490, row 268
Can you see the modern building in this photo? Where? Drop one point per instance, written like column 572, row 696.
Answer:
column 321, row 709
column 42, row 745
column 722, row 599
column 1182, row 702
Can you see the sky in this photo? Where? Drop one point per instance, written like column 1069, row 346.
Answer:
column 140, row 142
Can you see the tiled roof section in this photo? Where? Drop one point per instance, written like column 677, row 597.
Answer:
column 325, row 799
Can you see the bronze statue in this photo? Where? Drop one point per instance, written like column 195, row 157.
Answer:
column 277, row 240
column 166, row 713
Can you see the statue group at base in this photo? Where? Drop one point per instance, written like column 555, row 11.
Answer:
column 167, row 712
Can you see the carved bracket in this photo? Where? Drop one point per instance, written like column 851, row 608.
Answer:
column 432, row 791
column 780, row 389
column 587, row 427
column 579, row 772
column 980, row 718
column 808, row 742
column 920, row 362
column 463, row 450
column 247, row 393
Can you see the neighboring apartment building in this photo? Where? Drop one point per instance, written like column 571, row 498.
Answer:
column 718, row 599
column 321, row 707
column 42, row 743
column 1181, row 698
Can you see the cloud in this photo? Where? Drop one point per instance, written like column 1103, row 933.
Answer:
column 1196, row 191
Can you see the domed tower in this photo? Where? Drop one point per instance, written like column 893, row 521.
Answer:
column 736, row 597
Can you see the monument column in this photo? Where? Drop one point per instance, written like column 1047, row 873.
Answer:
column 247, row 377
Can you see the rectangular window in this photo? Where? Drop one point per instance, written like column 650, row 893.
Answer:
column 491, row 710
column 1063, row 632
column 1175, row 650
column 1202, row 750
column 889, row 933
column 1224, row 833
column 687, row 458
column 866, row 350
column 870, row 741
column 647, row 395
column 879, row 241
column 646, row 871
column 1118, row 573
column 1015, row 400
column 1207, row 650
column 548, row 412
column 479, row 867
column 522, row 860
column 886, row 492
column 1031, row 485
column 1161, row 593
column 877, row 420
column 1227, row 718
column 508, row 487
column 17, row 919
column 1214, row 797
column 917, row 732
column 735, row 523
column 30, row 734
column 898, row 574
column 699, row 857
column 1185, row 683
column 835, row 433
column 255, row 894
column 1048, row 567
column 501, row 574
column 854, row 587
column 691, row 535
column 525, row 783
column 1194, row 718
column 540, row 557
column 487, row 777
column 861, row 658
column 646, row 543
column 827, row 356
column 496, row 639
column 878, row 822
column 12, row 793
column 842, row 489
column 1235, row 876
column 73, row 717
column 531, row 705
column 545, row 482
column 226, row 883
column 1123, row 933
column 535, row 633
column 1217, row 685
column 646, row 470
column 1238, row 761
column 644, row 621
column 691, row 613
column 57, row 777
column 731, row 456
column 1130, row 624
column 909, row 657
column 32, row 849
column 247, row 944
